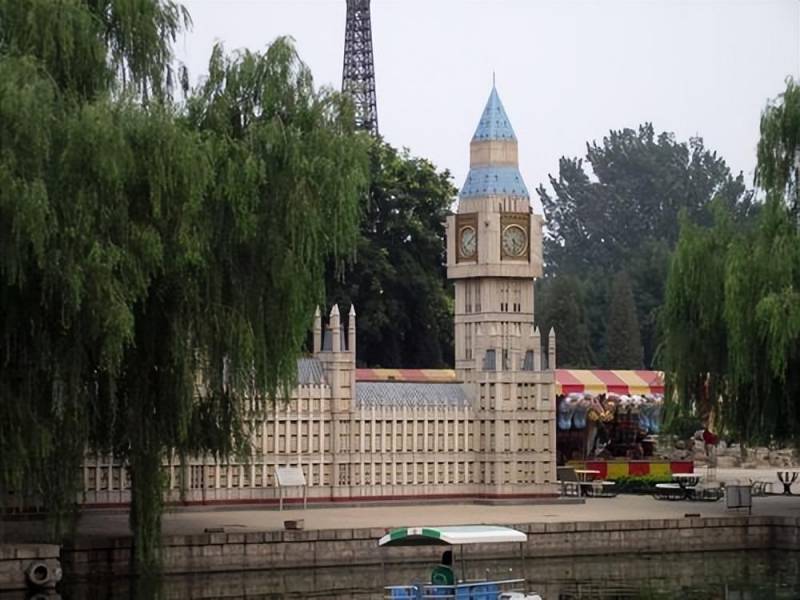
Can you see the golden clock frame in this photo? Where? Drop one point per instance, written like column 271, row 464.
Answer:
column 464, row 220
column 522, row 220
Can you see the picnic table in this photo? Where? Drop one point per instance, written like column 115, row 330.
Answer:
column 590, row 484
column 686, row 486
column 584, row 482
column 586, row 474
column 669, row 491
column 687, row 482
column 787, row 478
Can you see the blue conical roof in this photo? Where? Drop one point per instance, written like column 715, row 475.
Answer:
column 494, row 180
column 494, row 123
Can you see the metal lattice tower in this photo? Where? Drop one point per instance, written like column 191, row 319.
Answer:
column 358, row 72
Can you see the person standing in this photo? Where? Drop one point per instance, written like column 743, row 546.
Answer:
column 709, row 441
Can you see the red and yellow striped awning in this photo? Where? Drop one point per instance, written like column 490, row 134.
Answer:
column 569, row 381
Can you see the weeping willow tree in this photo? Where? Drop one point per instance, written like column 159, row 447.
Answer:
column 73, row 259
column 157, row 263
column 778, row 169
column 732, row 312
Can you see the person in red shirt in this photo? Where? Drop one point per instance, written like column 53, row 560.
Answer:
column 709, row 440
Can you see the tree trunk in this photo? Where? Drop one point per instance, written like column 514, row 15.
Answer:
column 147, row 500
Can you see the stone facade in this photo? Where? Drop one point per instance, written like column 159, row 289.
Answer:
column 486, row 429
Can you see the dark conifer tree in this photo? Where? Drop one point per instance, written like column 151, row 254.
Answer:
column 397, row 279
column 623, row 342
column 618, row 209
column 560, row 306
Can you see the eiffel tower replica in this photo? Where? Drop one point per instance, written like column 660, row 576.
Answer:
column 358, row 73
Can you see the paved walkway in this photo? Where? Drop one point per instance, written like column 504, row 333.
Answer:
column 621, row 508
column 625, row 507
column 191, row 520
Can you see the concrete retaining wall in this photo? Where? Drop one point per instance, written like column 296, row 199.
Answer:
column 217, row 552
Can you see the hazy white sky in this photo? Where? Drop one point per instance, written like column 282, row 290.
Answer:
column 567, row 70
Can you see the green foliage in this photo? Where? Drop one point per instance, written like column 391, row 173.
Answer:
column 623, row 342
column 731, row 318
column 288, row 171
column 619, row 211
column 777, row 169
column 89, row 46
column 397, row 280
column 560, row 307
column 642, row 479
column 157, row 264
column 695, row 337
column 638, row 484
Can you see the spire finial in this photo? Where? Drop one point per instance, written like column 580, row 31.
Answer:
column 493, row 78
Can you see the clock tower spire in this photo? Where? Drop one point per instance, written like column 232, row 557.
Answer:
column 494, row 252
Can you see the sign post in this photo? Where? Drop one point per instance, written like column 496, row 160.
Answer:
column 286, row 477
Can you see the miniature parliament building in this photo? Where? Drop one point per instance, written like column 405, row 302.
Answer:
column 483, row 430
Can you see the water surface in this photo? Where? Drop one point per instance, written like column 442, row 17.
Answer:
column 706, row 576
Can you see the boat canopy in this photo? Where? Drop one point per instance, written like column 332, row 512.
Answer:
column 455, row 535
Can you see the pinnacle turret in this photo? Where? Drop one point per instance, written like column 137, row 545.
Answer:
column 317, row 331
column 351, row 330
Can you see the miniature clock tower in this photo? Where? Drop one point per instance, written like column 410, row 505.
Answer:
column 494, row 252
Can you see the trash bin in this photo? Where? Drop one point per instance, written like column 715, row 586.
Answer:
column 738, row 496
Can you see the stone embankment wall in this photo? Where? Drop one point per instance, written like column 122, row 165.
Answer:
column 15, row 559
column 218, row 552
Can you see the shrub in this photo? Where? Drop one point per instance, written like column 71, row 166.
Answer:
column 639, row 484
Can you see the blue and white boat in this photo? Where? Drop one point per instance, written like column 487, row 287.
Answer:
column 444, row 583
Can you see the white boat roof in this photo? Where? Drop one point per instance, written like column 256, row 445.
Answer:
column 452, row 535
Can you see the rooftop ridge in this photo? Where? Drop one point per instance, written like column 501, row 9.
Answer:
column 408, row 375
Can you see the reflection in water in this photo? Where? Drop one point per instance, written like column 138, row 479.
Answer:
column 706, row 576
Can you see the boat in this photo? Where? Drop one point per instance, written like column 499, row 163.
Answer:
column 444, row 583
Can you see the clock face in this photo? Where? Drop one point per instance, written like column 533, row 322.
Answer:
column 515, row 241
column 468, row 241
